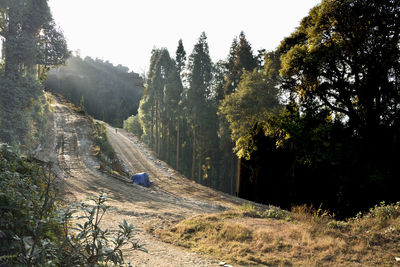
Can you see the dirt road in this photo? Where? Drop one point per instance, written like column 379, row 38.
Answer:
column 170, row 198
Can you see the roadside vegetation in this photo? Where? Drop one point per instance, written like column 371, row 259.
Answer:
column 101, row 147
column 305, row 236
column 37, row 229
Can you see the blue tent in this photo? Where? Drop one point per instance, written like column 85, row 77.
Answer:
column 141, row 179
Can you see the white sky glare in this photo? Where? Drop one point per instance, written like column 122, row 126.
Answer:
column 125, row 31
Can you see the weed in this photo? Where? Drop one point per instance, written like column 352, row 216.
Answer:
column 385, row 211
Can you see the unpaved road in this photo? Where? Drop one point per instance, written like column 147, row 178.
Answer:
column 170, row 198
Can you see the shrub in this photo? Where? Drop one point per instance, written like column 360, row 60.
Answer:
column 132, row 125
column 385, row 211
column 87, row 243
column 37, row 231
column 103, row 149
column 28, row 219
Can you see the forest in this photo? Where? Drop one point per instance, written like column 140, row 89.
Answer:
column 106, row 92
column 314, row 122
column 311, row 122
column 31, row 44
column 312, row 126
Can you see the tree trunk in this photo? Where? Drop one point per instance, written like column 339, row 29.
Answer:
column 194, row 152
column 177, row 146
column 232, row 172
column 200, row 172
column 157, row 137
column 152, row 128
column 168, row 135
column 182, row 148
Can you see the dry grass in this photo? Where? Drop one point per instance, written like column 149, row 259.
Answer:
column 303, row 237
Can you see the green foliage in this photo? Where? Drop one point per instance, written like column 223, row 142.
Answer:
column 30, row 38
column 37, row 121
column 159, row 109
column 338, row 131
column 255, row 101
column 37, row 231
column 111, row 93
column 328, row 60
column 24, row 112
column 240, row 59
column 385, row 211
column 198, row 102
column 103, row 149
column 87, row 243
column 272, row 212
column 28, row 218
column 180, row 58
column 132, row 125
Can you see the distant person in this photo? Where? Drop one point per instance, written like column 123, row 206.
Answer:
column 116, row 130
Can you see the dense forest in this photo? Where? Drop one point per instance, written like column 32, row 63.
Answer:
column 31, row 44
column 314, row 122
column 107, row 92
column 179, row 114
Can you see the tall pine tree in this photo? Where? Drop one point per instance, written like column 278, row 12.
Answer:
column 199, row 78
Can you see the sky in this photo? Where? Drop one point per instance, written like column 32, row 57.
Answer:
column 125, row 31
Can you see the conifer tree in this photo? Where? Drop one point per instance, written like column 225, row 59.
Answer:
column 180, row 58
column 199, row 78
column 30, row 37
column 240, row 58
column 158, row 109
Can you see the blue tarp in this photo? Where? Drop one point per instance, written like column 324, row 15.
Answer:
column 141, row 179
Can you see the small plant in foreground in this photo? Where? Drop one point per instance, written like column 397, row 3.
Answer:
column 90, row 245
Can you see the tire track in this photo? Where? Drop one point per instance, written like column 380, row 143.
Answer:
column 164, row 178
column 81, row 178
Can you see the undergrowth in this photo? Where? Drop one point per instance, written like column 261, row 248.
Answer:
column 269, row 236
column 36, row 230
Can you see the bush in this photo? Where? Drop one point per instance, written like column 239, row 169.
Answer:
column 28, row 220
column 103, row 149
column 37, row 231
column 132, row 125
column 86, row 243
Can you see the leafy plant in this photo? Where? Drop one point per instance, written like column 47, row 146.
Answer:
column 87, row 242
column 29, row 225
column 37, row 231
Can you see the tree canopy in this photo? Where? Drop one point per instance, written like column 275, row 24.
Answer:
column 344, row 56
column 110, row 93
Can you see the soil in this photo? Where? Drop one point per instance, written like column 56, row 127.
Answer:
column 170, row 198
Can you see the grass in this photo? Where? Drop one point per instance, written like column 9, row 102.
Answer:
column 305, row 236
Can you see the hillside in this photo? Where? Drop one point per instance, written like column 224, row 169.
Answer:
column 209, row 226
column 109, row 93
column 169, row 199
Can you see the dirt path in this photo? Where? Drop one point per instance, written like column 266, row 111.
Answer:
column 170, row 198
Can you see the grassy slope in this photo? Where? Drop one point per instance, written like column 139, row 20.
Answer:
column 303, row 237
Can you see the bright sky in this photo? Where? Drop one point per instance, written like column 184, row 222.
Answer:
column 125, row 31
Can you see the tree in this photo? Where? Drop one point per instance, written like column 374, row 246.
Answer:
column 30, row 37
column 255, row 101
column 180, row 58
column 159, row 107
column 240, row 58
column 345, row 57
column 199, row 78
column 111, row 93
column 338, row 133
